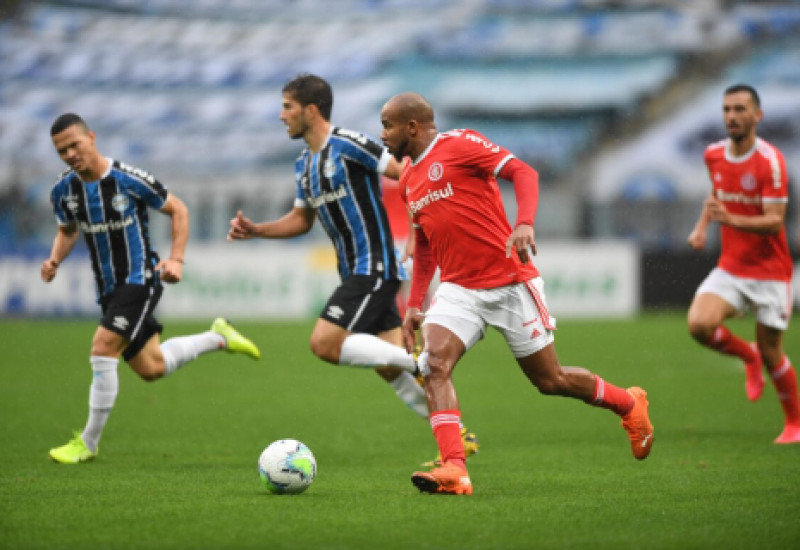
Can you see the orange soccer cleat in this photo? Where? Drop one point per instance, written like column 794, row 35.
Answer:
column 637, row 424
column 754, row 375
column 790, row 434
column 448, row 479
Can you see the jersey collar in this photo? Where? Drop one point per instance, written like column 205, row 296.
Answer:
column 422, row 155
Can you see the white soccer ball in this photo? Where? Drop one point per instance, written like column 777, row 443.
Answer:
column 287, row 466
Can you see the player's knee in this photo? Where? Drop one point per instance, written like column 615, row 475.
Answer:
column 324, row 348
column 700, row 330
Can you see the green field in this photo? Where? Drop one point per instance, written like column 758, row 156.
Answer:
column 177, row 463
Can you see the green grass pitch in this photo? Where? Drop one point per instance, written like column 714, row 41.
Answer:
column 177, row 464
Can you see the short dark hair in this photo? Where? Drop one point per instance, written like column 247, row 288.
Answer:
column 309, row 89
column 744, row 88
column 65, row 121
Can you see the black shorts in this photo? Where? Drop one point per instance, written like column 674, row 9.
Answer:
column 364, row 304
column 128, row 311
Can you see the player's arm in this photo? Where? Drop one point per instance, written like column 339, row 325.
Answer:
column 421, row 276
column 526, row 189
column 63, row 243
column 171, row 269
column 298, row 221
column 697, row 238
column 770, row 222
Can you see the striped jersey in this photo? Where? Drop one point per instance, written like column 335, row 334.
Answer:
column 744, row 184
column 112, row 215
column 342, row 182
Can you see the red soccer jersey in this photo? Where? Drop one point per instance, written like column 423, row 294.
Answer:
column 451, row 190
column 743, row 184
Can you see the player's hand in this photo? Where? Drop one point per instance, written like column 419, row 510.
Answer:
column 697, row 239
column 409, row 248
column 170, row 270
column 521, row 240
column 716, row 210
column 49, row 270
column 242, row 228
column 411, row 324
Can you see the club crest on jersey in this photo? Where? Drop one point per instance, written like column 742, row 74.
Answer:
column 329, row 168
column 748, row 182
column 436, row 171
column 119, row 202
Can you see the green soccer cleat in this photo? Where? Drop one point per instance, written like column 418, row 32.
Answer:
column 234, row 342
column 73, row 452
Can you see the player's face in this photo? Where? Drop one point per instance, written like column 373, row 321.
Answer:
column 75, row 146
column 393, row 134
column 740, row 114
column 293, row 116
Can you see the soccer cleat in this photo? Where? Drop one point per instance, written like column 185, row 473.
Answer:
column 790, row 434
column 637, row 424
column 448, row 479
column 234, row 342
column 754, row 375
column 471, row 446
column 73, row 452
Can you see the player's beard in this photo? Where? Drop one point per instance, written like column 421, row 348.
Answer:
column 399, row 152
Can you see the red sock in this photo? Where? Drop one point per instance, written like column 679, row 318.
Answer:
column 611, row 397
column 724, row 341
column 785, row 380
column 446, row 426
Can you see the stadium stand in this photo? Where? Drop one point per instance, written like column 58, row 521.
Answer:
column 190, row 89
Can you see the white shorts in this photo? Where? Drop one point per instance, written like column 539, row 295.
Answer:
column 771, row 300
column 518, row 311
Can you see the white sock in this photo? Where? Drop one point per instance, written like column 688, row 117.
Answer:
column 102, row 395
column 411, row 393
column 182, row 349
column 365, row 350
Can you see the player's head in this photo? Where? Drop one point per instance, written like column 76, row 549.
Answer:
column 74, row 142
column 741, row 111
column 408, row 126
column 305, row 98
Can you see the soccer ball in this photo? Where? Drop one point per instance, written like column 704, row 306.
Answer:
column 287, row 466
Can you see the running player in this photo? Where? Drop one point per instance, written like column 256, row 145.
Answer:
column 749, row 196
column 461, row 227
column 108, row 201
column 338, row 177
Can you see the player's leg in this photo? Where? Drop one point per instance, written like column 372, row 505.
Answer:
column 104, row 357
column 716, row 300
column 345, row 332
column 404, row 384
column 443, row 349
column 523, row 318
column 773, row 312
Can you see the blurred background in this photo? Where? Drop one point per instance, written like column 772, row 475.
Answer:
column 612, row 102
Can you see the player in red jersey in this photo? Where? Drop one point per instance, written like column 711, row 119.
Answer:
column 487, row 279
column 748, row 199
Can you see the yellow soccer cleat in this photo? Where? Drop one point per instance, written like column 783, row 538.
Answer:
column 73, row 452
column 471, row 446
column 234, row 342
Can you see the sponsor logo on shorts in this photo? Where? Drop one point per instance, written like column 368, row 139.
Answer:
column 120, row 322
column 335, row 312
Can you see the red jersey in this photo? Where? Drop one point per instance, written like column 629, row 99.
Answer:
column 743, row 184
column 452, row 193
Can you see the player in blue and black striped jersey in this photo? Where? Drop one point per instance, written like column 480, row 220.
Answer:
column 108, row 202
column 338, row 179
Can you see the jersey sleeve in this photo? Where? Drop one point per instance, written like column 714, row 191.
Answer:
column 144, row 186
column 57, row 193
column 479, row 151
column 363, row 150
column 776, row 186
